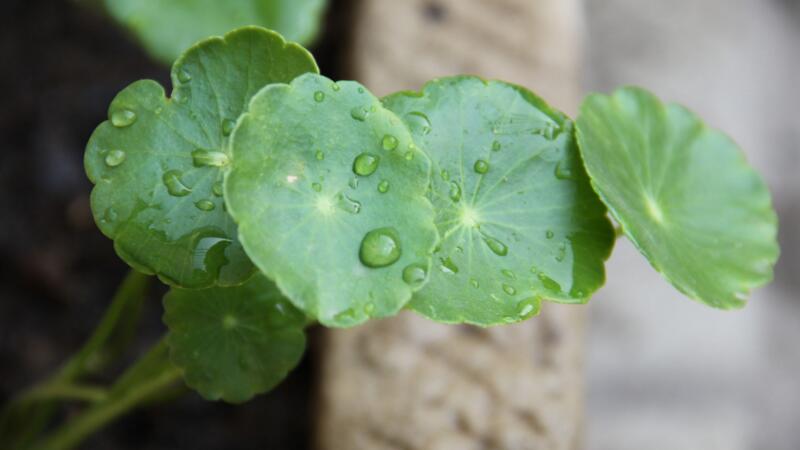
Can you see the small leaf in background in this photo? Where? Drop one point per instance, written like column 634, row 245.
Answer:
column 234, row 342
column 329, row 193
column 157, row 163
column 166, row 28
column 682, row 193
column 518, row 218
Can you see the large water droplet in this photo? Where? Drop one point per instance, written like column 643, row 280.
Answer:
column 389, row 142
column 359, row 113
column 418, row 122
column 414, row 274
column 481, row 166
column 455, row 191
column 497, row 247
column 208, row 254
column 365, row 164
column 527, row 307
column 122, row 118
column 227, row 127
column 383, row 186
column 448, row 266
column 115, row 158
column 208, row 158
column 184, row 76
column 204, row 205
column 380, row 247
column 175, row 187
column 319, row 96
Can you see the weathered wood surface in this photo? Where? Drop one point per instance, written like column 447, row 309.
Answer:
column 408, row 383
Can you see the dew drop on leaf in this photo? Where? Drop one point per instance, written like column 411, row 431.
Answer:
column 474, row 283
column 369, row 308
column 409, row 155
column 184, row 76
column 562, row 171
column 110, row 215
column 175, row 187
column 549, row 283
column 448, row 266
column 549, row 234
column 359, row 113
column 204, row 205
column 455, row 191
column 509, row 274
column 508, row 289
column 216, row 188
column 380, row 247
column 497, row 247
column 335, row 87
column 481, row 166
column 526, row 308
column 320, row 155
column 414, row 274
column 365, row 164
column 316, row 187
column 389, row 142
column 418, row 123
column 348, row 204
column 115, row 158
column 227, row 127
column 496, row 146
column 319, row 96
column 383, row 186
column 207, row 158
column 122, row 118
column 445, row 175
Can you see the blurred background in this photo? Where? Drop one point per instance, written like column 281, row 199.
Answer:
column 662, row 372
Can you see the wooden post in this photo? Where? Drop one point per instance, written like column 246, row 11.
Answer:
column 406, row 382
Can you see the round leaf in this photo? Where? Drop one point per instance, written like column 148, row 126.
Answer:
column 329, row 193
column 157, row 162
column 682, row 193
column 518, row 218
column 233, row 343
column 167, row 28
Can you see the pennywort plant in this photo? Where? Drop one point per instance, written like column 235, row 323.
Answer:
column 270, row 197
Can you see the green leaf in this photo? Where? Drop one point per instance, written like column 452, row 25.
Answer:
column 329, row 193
column 166, row 28
column 683, row 194
column 158, row 162
column 234, row 342
column 518, row 217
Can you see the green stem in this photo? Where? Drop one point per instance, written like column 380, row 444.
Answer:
column 152, row 376
column 68, row 391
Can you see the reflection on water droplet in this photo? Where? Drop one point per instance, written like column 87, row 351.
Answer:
column 184, row 76
column 380, row 247
column 481, row 166
column 216, row 188
column 204, row 205
column 414, row 274
column 497, row 247
column 227, row 127
column 115, row 158
column 496, row 146
column 418, row 122
column 527, row 307
column 348, row 204
column 563, row 172
column 455, row 191
column 175, row 187
column 316, row 186
column 319, row 96
column 383, row 186
column 320, row 155
column 365, row 164
column 359, row 113
column 208, row 158
column 389, row 142
column 122, row 118
column 508, row 289
column 448, row 266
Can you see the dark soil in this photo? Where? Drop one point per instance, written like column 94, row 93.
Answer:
column 63, row 65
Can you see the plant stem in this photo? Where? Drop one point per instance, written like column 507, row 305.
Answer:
column 68, row 391
column 151, row 376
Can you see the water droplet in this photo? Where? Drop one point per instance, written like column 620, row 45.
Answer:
column 448, row 266
column 527, row 307
column 316, row 186
column 380, row 247
column 455, row 191
column 348, row 315
column 320, row 155
column 319, row 96
column 369, row 308
column 115, row 158
column 204, row 205
column 208, row 254
column 418, row 122
column 335, row 87
column 445, row 175
column 481, row 166
column 562, row 250
column 229, row 321
column 509, row 274
column 175, row 187
column 359, row 113
column 497, row 247
column 549, row 283
column 348, row 204
column 122, row 118
column 360, row 90
column 208, row 158
column 216, row 188
column 383, row 186
column 184, row 76
column 227, row 127
column 110, row 215
column 353, row 183
column 563, row 172
column 365, row 164
column 389, row 142
column 414, row 274
column 508, row 289
column 474, row 283
column 409, row 155
column 496, row 146
column 549, row 234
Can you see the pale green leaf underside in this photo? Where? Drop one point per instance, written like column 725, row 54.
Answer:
column 166, row 28
column 157, row 162
column 233, row 343
column 518, row 218
column 303, row 212
column 683, row 194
